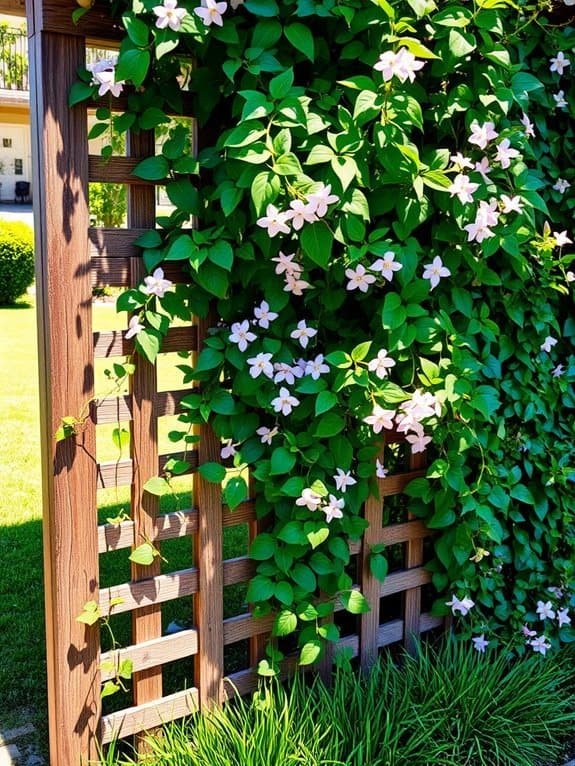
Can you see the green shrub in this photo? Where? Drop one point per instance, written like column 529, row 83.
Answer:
column 449, row 706
column 16, row 260
column 108, row 206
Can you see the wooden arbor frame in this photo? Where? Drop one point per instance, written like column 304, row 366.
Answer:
column 71, row 258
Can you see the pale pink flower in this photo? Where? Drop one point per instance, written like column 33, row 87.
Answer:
column 402, row 65
column 527, row 632
column 274, row 221
column 558, row 371
column 540, row 645
column 463, row 188
column 285, row 402
column 333, row 509
column 481, row 135
column 380, row 471
column 563, row 617
column 320, row 200
column 134, row 327
column 211, row 12
column 286, row 263
column 381, row 364
column 561, row 238
column 528, row 125
column 505, row 153
column 386, row 265
column 104, row 75
column 570, row 276
column 309, row 499
column 560, row 101
column 285, row 373
column 559, row 63
column 479, row 643
column 169, row 15
column 548, row 344
column 380, row 419
column 295, row 286
column 561, row 185
column 303, row 333
column 264, row 316
column 545, row 610
column 460, row 162
column 359, row 279
column 267, row 434
column 418, row 440
column 316, row 367
column 229, row 449
column 484, row 169
column 435, row 271
column 511, row 204
column 156, row 284
column 261, row 364
column 343, row 480
column 487, row 215
column 462, row 606
column 242, row 335
column 301, row 213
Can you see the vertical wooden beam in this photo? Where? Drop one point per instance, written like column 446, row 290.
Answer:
column 146, row 622
column 209, row 601
column 370, row 585
column 413, row 558
column 64, row 305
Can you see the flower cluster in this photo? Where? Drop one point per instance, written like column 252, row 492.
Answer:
column 299, row 213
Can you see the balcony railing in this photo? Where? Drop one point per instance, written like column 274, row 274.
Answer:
column 13, row 59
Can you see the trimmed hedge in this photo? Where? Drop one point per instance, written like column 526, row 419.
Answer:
column 16, row 260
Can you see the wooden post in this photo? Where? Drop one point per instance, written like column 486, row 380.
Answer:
column 64, row 305
column 370, row 585
column 413, row 558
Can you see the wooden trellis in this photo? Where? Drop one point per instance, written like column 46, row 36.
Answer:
column 72, row 259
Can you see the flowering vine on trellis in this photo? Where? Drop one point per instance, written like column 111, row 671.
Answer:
column 373, row 228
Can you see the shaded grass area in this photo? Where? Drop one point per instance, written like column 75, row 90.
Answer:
column 22, row 649
column 447, row 706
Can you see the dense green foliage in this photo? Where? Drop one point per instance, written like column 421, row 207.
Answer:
column 384, row 176
column 448, row 707
column 16, row 260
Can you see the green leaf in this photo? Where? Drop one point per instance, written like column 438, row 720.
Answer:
column 109, row 688
column 522, row 493
column 318, row 536
column 393, row 313
column 285, row 623
column 317, row 240
column 310, row 652
column 260, row 589
column 222, row 254
column 301, row 37
column 144, row 554
column 213, row 279
column 138, row 31
column 287, row 165
column 284, row 593
column 330, row 424
column 263, row 547
column 80, row 91
column 354, row 602
column 90, row 614
column 292, row 533
column 325, row 401
column 378, row 566
column 281, row 85
column 235, row 492
column 304, row 577
column 282, row 461
column 266, row 8
column 265, row 189
column 133, row 65
column 213, row 472
column 157, row 486
column 152, row 168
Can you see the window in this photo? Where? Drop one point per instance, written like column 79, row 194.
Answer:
column 7, row 143
column 18, row 167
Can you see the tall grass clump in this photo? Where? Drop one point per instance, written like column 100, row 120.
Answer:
column 445, row 706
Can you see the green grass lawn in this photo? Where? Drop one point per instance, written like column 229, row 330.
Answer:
column 22, row 655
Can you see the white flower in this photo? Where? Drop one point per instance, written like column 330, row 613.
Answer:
column 343, row 480
column 545, row 610
column 316, row 368
column 540, row 644
column 479, row 643
column 563, row 617
column 463, row 188
column 380, row 419
column 481, row 135
column 285, row 402
column 286, row 373
column 487, row 215
column 527, row 632
column 104, row 75
column 435, row 271
column 333, row 509
column 274, row 221
column 294, row 285
column 561, row 238
column 484, row 169
column 561, row 185
column 386, row 265
column 303, row 333
column 548, row 344
column 169, row 15
column 418, row 440
column 505, row 153
column 559, row 99
column 528, row 125
column 460, row 162
column 267, row 434
column 359, row 279
column 511, row 204
column 402, row 65
column 570, row 276
column 558, row 371
column 229, row 449
column 156, row 284
column 211, row 12
column 309, row 499
column 301, row 213
column 381, row 364
column 462, row 606
column 134, row 328
column 264, row 316
column 380, row 471
column 261, row 364
column 320, row 200
column 559, row 63
column 285, row 263
column 242, row 335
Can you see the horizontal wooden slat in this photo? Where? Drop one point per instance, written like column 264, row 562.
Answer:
column 154, row 590
column 115, row 244
column 395, row 485
column 405, row 579
column 115, row 170
column 402, row 533
column 116, row 409
column 145, row 717
column 115, row 272
column 246, row 626
column 119, row 473
column 150, row 654
column 238, row 570
column 107, row 344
